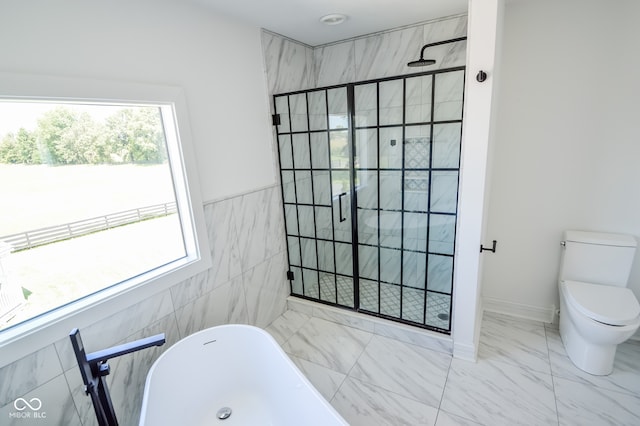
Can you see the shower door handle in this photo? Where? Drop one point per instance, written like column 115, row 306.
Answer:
column 342, row 219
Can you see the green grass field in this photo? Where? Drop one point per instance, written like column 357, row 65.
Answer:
column 58, row 273
column 33, row 197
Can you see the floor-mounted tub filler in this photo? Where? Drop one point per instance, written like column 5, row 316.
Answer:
column 231, row 375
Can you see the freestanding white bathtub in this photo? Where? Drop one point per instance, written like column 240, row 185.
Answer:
column 236, row 368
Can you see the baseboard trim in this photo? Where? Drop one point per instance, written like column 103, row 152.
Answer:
column 520, row 310
column 465, row 352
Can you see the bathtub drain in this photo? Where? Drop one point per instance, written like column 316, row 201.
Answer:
column 224, row 413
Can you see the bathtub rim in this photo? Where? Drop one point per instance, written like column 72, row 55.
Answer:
column 330, row 409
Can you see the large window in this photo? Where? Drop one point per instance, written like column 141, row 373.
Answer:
column 97, row 199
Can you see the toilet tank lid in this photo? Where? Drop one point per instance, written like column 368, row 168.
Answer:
column 605, row 239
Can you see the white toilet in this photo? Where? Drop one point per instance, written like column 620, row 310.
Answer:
column 597, row 310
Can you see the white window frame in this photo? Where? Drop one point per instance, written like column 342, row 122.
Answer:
column 32, row 335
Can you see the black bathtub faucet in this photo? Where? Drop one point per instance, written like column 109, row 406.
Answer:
column 94, row 369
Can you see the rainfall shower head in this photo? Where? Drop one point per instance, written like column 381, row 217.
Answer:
column 425, row 62
column 421, row 62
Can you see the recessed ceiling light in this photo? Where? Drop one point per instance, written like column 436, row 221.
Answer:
column 333, row 19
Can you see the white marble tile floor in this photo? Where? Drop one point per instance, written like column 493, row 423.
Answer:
column 523, row 376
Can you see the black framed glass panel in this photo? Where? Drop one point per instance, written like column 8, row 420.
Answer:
column 369, row 175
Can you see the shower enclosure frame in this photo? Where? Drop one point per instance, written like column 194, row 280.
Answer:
column 351, row 133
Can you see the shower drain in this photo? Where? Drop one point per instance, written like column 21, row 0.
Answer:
column 224, row 413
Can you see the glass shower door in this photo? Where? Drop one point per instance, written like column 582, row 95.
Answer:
column 370, row 186
column 314, row 154
column 407, row 151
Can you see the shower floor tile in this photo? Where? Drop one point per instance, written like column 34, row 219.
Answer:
column 438, row 306
column 344, row 285
column 413, row 305
column 385, row 298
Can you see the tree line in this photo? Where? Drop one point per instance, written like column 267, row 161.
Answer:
column 65, row 136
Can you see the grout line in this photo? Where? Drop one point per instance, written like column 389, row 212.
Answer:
column 73, row 400
column 555, row 398
column 180, row 334
column 344, row 379
column 361, row 352
column 546, row 341
column 446, row 380
column 294, row 331
column 553, row 378
column 377, row 386
column 444, row 389
column 243, row 285
column 241, row 194
column 66, row 380
column 306, row 360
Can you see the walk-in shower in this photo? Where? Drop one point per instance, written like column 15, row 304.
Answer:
column 369, row 174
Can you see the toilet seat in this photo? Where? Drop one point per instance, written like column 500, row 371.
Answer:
column 616, row 306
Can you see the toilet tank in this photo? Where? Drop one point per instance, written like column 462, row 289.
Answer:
column 597, row 258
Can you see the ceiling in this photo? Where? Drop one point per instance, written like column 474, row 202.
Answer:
column 300, row 19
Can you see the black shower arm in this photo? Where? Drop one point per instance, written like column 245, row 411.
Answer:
column 438, row 43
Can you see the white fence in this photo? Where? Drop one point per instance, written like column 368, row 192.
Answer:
column 10, row 296
column 38, row 237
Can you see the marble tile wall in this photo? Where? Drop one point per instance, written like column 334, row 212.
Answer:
column 335, row 64
column 294, row 66
column 246, row 284
column 288, row 64
column 386, row 54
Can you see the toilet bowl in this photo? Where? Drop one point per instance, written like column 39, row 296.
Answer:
column 594, row 319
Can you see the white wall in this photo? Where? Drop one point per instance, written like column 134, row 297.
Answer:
column 567, row 153
column 218, row 63
column 485, row 27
